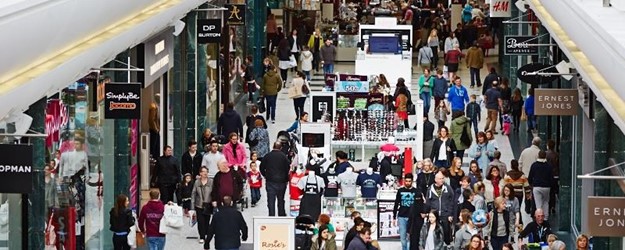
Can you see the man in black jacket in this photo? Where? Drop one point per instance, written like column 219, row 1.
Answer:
column 191, row 160
column 230, row 121
column 440, row 197
column 275, row 168
column 537, row 230
column 489, row 79
column 227, row 226
column 167, row 174
column 541, row 179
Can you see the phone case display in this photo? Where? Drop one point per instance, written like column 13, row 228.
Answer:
column 387, row 228
column 361, row 125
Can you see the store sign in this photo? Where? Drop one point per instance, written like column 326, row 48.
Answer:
column 274, row 233
column 606, row 216
column 534, row 73
column 555, row 101
column 500, row 8
column 208, row 31
column 159, row 56
column 122, row 101
column 322, row 105
column 352, row 83
column 16, row 173
column 235, row 14
column 521, row 45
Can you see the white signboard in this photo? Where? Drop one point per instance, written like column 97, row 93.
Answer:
column 274, row 233
column 500, row 8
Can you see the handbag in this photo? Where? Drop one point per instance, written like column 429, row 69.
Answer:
column 140, row 239
column 410, row 107
column 261, row 105
column 305, row 89
column 523, row 115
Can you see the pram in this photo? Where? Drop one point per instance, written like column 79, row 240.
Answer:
column 303, row 232
column 243, row 201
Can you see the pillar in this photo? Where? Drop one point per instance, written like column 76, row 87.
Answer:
column 37, row 212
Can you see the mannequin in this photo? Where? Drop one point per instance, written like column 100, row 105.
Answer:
column 369, row 183
column 313, row 186
column 331, row 179
column 347, row 180
column 155, row 126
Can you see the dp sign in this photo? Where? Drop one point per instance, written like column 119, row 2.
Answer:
column 208, row 30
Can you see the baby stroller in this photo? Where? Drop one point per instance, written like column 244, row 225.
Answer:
column 243, row 201
column 303, row 232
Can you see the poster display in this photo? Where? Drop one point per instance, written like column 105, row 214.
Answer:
column 352, row 83
column 387, row 228
column 274, row 233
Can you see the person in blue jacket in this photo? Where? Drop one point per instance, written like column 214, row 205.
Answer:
column 458, row 95
column 466, row 13
column 529, row 110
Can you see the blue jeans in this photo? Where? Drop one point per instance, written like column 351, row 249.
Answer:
column 403, row 229
column 474, row 122
column 156, row 243
column 497, row 241
column 271, row 106
column 228, row 249
column 328, row 68
column 307, row 73
column 475, row 76
column 427, row 98
column 255, row 195
column 531, row 122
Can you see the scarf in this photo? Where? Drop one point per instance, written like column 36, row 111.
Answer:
column 495, row 182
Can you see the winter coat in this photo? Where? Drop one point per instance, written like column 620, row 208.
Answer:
column 201, row 194
column 481, row 152
column 231, row 230
column 444, row 204
column 527, row 158
column 330, row 244
column 260, row 134
column 230, row 121
column 437, row 145
column 439, row 243
column 228, row 152
column 250, row 123
column 475, row 58
column 466, row 13
column 306, row 58
column 440, row 87
column 167, row 170
column 272, row 84
column 457, row 125
column 190, row 164
column 122, row 221
column 489, row 189
column 275, row 167
column 328, row 54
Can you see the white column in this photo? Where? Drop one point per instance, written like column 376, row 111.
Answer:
column 417, row 151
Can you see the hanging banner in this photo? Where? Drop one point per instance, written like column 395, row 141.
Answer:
column 605, row 216
column 235, row 14
column 521, row 45
column 500, row 8
column 208, row 31
column 352, row 83
column 555, row 101
column 122, row 101
column 16, row 166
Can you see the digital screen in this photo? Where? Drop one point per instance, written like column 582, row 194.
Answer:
column 313, row 140
column 384, row 44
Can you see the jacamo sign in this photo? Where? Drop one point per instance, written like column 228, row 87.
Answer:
column 555, row 101
column 606, row 216
column 122, row 101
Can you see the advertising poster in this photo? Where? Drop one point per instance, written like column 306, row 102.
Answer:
column 274, row 233
column 387, row 229
column 352, row 83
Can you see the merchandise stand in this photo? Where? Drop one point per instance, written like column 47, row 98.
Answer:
column 340, row 210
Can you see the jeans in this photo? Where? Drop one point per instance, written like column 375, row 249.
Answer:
column 474, row 123
column 328, row 68
column 276, row 190
column 460, row 154
column 296, row 55
column 441, row 163
column 255, row 195
column 427, row 98
column 491, row 120
column 475, row 77
column 531, row 122
column 541, row 198
column 316, row 60
column 298, row 104
column 120, row 242
column 307, row 73
column 156, row 243
column 447, row 229
column 203, row 222
column 497, row 241
column 403, row 229
column 271, row 106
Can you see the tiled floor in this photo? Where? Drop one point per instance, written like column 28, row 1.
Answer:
column 186, row 238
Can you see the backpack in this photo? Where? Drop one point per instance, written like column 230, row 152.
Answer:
column 464, row 137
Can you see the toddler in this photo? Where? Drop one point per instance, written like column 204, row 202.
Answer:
column 184, row 193
column 256, row 182
column 507, row 120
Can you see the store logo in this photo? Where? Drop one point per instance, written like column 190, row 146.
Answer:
column 123, row 101
column 556, row 101
column 123, row 96
column 15, row 169
column 521, row 45
column 235, row 14
column 209, row 31
column 606, row 216
column 16, row 164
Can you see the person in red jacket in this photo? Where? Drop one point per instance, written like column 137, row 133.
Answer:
column 255, row 179
column 150, row 219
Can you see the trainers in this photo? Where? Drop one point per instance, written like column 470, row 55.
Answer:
column 273, row 121
column 201, row 241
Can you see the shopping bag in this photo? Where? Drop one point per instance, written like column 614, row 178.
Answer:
column 140, row 239
column 162, row 226
column 132, row 237
column 174, row 216
column 292, row 61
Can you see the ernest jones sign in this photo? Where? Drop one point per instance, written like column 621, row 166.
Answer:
column 606, row 216
column 555, row 101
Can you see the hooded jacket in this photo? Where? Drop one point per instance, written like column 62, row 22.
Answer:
column 457, row 125
column 519, row 182
column 475, row 58
column 150, row 218
column 272, row 84
column 306, row 58
column 440, row 87
column 230, row 121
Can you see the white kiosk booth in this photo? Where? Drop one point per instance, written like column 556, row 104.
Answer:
column 385, row 48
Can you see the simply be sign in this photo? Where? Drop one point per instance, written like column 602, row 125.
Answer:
column 500, row 8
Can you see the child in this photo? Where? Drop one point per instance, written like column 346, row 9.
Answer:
column 256, row 182
column 306, row 58
column 253, row 158
column 184, row 193
column 440, row 113
column 507, row 120
column 473, row 112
